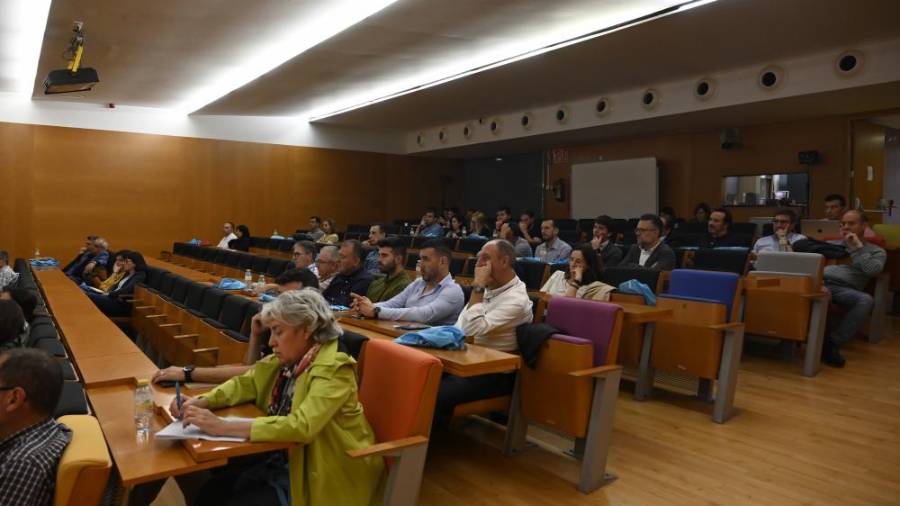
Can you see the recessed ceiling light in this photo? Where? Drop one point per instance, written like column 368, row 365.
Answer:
column 23, row 23
column 309, row 31
column 599, row 22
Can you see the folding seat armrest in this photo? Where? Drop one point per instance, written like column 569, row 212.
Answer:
column 144, row 307
column 155, row 316
column 388, row 448
column 765, row 283
column 186, row 336
column 596, row 372
column 816, row 296
column 162, row 325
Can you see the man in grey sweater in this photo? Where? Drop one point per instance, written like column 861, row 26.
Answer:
column 846, row 283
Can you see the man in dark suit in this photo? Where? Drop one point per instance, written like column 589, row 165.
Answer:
column 649, row 252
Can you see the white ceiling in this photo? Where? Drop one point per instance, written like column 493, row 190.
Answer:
column 153, row 54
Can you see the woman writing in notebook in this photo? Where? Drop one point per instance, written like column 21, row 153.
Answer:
column 308, row 390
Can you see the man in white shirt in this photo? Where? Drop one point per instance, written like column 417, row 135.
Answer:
column 553, row 248
column 228, row 228
column 8, row 277
column 783, row 237
column 327, row 265
column 499, row 303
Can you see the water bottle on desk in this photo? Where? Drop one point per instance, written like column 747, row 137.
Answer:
column 37, row 252
column 143, row 407
column 261, row 284
column 248, row 279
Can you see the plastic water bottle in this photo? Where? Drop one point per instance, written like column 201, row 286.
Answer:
column 261, row 283
column 248, row 278
column 143, row 406
column 37, row 252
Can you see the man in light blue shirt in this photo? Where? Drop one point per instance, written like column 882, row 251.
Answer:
column 429, row 226
column 553, row 249
column 783, row 237
column 434, row 298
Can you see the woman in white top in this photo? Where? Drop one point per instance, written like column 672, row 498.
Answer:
column 228, row 228
column 582, row 278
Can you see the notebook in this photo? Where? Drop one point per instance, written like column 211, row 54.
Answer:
column 177, row 431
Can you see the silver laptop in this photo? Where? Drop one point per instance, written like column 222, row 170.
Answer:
column 821, row 229
column 806, row 264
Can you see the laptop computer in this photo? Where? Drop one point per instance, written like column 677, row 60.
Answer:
column 821, row 229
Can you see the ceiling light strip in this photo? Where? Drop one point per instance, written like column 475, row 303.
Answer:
column 23, row 42
column 312, row 31
column 334, row 111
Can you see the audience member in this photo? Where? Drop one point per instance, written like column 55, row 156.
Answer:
column 434, row 298
column 113, row 303
column 667, row 215
column 310, row 389
column 649, row 252
column 228, row 228
column 446, row 215
column 581, row 279
column 604, row 241
column 391, row 257
column 847, row 283
column 304, row 256
column 351, row 278
column 291, row 279
column 836, row 206
column 499, row 303
column 315, row 228
column 100, row 258
column 25, row 298
column 513, row 235
column 502, row 216
column 31, row 441
column 783, row 237
column 242, row 242
column 531, row 230
column 8, row 277
column 327, row 264
column 12, row 325
column 553, row 249
column 83, row 254
column 329, row 232
column 667, row 228
column 429, row 227
column 701, row 213
column 719, row 230
column 376, row 235
column 112, row 279
column 457, row 229
column 478, row 226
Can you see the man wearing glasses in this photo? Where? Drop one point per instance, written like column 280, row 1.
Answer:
column 783, row 236
column 31, row 442
column 327, row 265
column 649, row 252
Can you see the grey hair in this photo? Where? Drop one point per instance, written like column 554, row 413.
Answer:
column 304, row 308
column 505, row 249
column 101, row 242
column 330, row 252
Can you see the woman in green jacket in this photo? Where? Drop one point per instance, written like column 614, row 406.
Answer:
column 308, row 390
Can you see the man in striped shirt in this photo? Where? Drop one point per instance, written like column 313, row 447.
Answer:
column 31, row 442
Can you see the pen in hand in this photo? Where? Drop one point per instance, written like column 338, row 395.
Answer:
column 178, row 400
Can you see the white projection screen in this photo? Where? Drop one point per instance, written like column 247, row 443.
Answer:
column 618, row 188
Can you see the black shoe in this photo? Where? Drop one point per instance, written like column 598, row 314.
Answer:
column 831, row 355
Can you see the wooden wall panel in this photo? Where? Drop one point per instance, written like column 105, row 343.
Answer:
column 868, row 151
column 692, row 165
column 145, row 191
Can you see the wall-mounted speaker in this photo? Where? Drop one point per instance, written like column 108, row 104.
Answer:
column 808, row 157
column 731, row 138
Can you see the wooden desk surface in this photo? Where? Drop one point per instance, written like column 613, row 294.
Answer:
column 194, row 275
column 633, row 313
column 108, row 370
column 473, row 361
column 140, row 461
column 86, row 330
column 204, row 451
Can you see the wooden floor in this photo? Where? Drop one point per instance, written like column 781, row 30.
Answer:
column 833, row 439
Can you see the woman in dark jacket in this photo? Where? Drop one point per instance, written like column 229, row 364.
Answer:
column 242, row 243
column 113, row 303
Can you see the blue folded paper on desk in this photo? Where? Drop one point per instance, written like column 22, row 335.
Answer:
column 231, row 284
column 338, row 307
column 44, row 262
column 264, row 297
column 195, row 242
column 445, row 337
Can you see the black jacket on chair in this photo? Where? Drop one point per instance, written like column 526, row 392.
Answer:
column 127, row 288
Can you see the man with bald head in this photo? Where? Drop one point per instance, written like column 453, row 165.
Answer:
column 499, row 303
column 847, row 282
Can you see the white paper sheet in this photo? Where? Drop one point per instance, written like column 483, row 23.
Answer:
column 177, row 431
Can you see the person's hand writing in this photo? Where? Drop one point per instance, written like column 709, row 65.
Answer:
column 204, row 420
column 186, row 402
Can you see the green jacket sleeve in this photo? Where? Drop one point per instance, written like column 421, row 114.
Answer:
column 328, row 391
column 237, row 390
